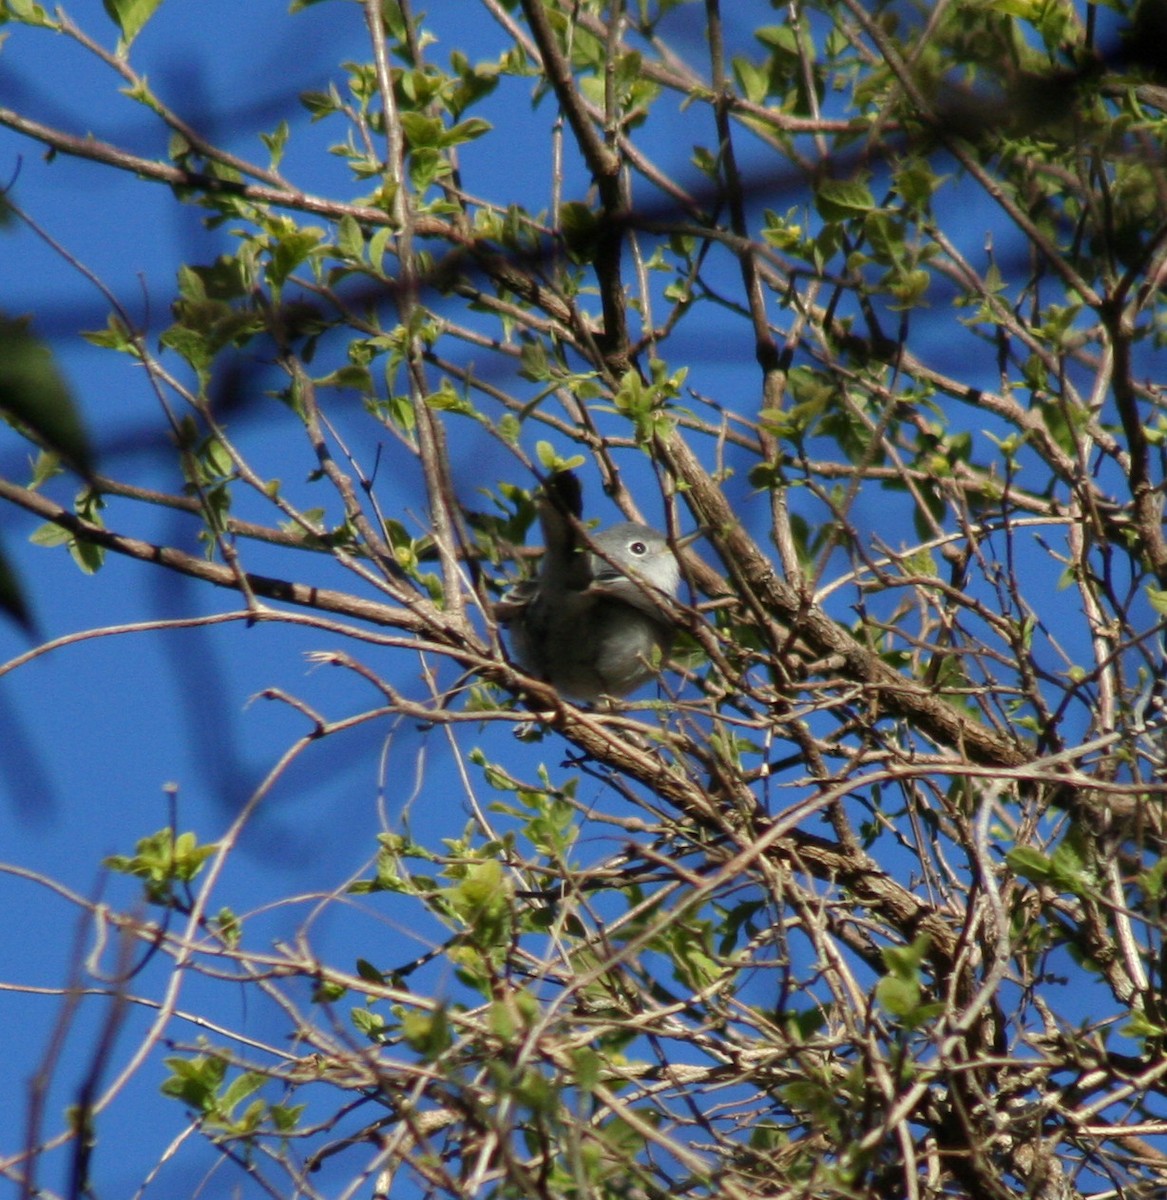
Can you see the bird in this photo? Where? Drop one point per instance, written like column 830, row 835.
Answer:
column 592, row 622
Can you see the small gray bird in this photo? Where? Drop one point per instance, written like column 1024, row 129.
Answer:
column 589, row 624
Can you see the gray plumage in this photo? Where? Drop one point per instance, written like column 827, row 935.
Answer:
column 590, row 624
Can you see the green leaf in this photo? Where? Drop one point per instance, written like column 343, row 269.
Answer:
column 28, row 12
column 422, row 132
column 229, row 926
column 1030, row 864
column 427, row 1033
column 900, row 997
column 1158, row 600
column 369, row 1023
column 466, row 131
column 50, row 534
column 446, row 399
column 840, row 199
column 349, row 239
column 753, row 80
column 368, row 972
column 293, row 247
column 483, row 890
column 33, row 394
column 1140, row 1026
column 321, row 104
column 195, row 1081
column 328, row 992
column 115, row 335
column 1154, row 881
column 238, row 1090
column 900, row 991
column 285, row 1117
column 130, row 16
column 580, row 228
column 162, row 860
column 275, row 142
column 508, row 428
column 12, row 599
column 550, row 460
column 1072, row 863
column 903, row 962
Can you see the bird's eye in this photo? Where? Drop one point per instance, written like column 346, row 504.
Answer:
column 638, row 548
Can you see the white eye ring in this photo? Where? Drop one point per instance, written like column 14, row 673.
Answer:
column 637, row 548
